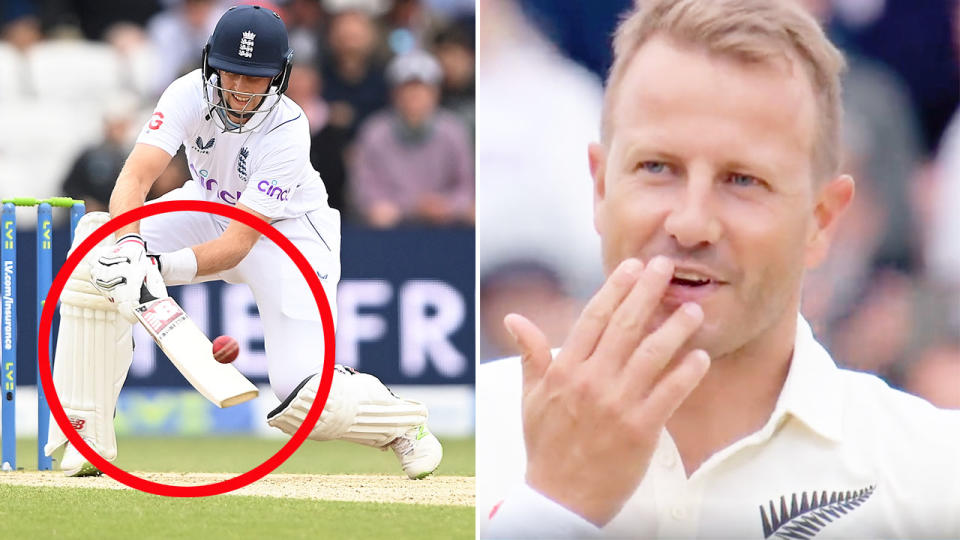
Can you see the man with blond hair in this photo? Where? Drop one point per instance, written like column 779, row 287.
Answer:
column 691, row 399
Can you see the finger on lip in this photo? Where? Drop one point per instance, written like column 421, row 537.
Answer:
column 661, row 264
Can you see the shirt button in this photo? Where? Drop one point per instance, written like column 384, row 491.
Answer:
column 678, row 513
column 668, row 461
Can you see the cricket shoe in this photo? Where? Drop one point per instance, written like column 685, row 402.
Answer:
column 419, row 452
column 74, row 464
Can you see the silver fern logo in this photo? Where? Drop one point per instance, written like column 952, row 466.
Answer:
column 246, row 44
column 804, row 520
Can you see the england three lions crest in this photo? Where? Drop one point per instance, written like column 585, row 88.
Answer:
column 246, row 44
column 242, row 163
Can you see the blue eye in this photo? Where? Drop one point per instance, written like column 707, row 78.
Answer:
column 743, row 180
column 655, row 167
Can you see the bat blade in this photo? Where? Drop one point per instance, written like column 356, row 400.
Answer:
column 192, row 353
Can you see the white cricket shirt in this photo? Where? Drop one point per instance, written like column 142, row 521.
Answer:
column 886, row 463
column 267, row 166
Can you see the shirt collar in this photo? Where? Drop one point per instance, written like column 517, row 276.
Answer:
column 812, row 391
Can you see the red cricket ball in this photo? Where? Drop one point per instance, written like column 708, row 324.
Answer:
column 225, row 349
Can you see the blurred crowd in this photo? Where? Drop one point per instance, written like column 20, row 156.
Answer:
column 389, row 89
column 887, row 300
column 387, row 86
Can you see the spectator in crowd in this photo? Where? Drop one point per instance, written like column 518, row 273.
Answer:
column 407, row 25
column 304, row 19
column 96, row 17
column 413, row 161
column 881, row 305
column 935, row 375
column 329, row 136
column 875, row 335
column 374, row 8
column 406, row 14
column 838, row 286
column 10, row 10
column 523, row 286
column 913, row 39
column 943, row 219
column 353, row 79
column 453, row 47
column 881, row 117
column 527, row 84
column 22, row 32
column 137, row 55
column 581, row 29
column 171, row 178
column 181, row 32
column 451, row 9
column 95, row 170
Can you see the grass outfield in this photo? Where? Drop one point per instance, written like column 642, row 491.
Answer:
column 56, row 512
column 28, row 513
column 239, row 454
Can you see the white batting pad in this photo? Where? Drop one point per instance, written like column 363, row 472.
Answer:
column 94, row 352
column 359, row 409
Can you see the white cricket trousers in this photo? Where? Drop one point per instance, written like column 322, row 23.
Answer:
column 293, row 333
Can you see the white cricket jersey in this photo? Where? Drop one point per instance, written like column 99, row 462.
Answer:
column 842, row 456
column 267, row 166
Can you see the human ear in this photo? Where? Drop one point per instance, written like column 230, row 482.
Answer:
column 833, row 199
column 597, row 156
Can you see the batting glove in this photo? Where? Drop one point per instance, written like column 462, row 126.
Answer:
column 153, row 282
column 129, row 249
column 120, row 271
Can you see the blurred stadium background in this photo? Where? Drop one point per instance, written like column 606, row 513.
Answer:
column 888, row 299
column 79, row 79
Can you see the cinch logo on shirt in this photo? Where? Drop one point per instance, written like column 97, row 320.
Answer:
column 273, row 190
column 210, row 184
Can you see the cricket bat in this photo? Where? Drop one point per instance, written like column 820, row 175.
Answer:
column 192, row 352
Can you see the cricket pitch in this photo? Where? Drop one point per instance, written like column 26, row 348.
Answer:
column 435, row 490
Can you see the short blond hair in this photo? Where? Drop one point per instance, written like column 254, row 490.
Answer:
column 753, row 31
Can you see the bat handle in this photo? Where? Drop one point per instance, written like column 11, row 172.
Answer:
column 145, row 295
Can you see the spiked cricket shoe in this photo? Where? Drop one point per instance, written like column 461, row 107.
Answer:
column 419, row 452
column 74, row 464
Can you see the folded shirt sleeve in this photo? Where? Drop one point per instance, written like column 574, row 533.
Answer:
column 527, row 514
column 177, row 113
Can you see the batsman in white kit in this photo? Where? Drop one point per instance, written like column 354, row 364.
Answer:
column 247, row 145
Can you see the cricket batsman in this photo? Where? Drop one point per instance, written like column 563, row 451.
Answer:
column 247, row 145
